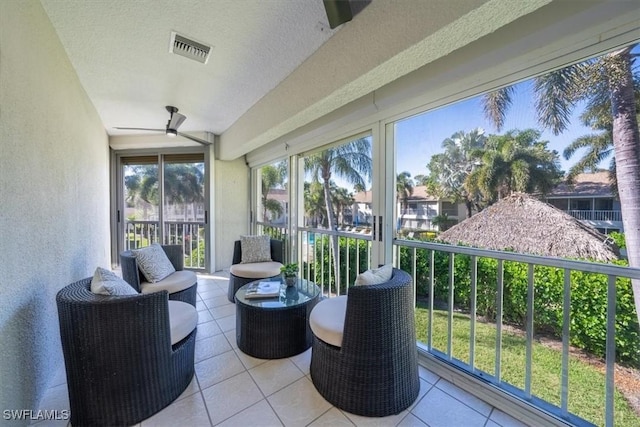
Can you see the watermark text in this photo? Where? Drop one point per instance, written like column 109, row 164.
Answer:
column 40, row 415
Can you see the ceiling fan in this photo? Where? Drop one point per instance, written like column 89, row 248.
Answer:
column 175, row 120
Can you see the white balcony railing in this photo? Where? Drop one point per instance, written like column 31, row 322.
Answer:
column 435, row 269
column 436, row 265
column 587, row 215
column 189, row 234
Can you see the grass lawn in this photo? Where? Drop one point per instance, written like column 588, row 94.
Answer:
column 586, row 382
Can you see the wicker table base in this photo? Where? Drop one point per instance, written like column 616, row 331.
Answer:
column 278, row 327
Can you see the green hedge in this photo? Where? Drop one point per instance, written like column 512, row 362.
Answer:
column 588, row 294
column 322, row 254
column 196, row 259
column 588, row 299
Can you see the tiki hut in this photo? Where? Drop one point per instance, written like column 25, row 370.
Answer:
column 524, row 224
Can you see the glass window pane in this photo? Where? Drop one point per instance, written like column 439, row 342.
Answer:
column 184, row 208
column 141, row 203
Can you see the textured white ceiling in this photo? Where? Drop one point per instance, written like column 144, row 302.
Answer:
column 275, row 65
column 120, row 50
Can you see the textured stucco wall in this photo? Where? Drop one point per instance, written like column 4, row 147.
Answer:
column 231, row 190
column 54, row 197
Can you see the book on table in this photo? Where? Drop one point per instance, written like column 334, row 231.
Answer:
column 263, row 290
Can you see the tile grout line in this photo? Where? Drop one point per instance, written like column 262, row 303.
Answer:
column 455, row 398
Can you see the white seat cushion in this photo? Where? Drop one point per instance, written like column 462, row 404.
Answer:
column 183, row 319
column 175, row 282
column 327, row 320
column 256, row 270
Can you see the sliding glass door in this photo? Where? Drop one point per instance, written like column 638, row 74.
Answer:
column 162, row 198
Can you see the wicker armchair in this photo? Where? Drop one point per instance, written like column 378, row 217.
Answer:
column 132, row 274
column 121, row 367
column 236, row 281
column 375, row 371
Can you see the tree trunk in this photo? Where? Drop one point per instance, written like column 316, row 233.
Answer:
column 333, row 240
column 469, row 206
column 626, row 142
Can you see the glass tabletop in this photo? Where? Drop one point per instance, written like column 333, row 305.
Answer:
column 290, row 296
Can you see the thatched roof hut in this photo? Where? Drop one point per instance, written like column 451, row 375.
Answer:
column 524, row 224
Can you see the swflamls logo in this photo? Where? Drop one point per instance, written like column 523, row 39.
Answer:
column 40, row 415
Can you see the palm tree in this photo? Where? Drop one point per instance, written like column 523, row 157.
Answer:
column 141, row 183
column 609, row 77
column 359, row 188
column 598, row 145
column 272, row 176
column 351, row 162
column 421, row 179
column 314, row 206
column 514, row 162
column 183, row 184
column 442, row 221
column 449, row 170
column 404, row 190
column 342, row 199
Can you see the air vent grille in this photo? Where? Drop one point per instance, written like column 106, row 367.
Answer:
column 183, row 46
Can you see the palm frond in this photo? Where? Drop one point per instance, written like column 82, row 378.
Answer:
column 496, row 104
column 556, row 93
column 599, row 147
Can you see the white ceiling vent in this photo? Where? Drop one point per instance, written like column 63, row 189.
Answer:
column 183, row 46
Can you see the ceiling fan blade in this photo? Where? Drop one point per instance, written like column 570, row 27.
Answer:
column 193, row 138
column 176, row 121
column 154, row 130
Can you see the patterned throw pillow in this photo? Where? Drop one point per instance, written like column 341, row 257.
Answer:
column 375, row 276
column 153, row 262
column 106, row 282
column 255, row 249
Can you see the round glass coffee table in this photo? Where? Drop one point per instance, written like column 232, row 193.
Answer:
column 276, row 327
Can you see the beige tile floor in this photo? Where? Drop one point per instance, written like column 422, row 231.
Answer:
column 231, row 388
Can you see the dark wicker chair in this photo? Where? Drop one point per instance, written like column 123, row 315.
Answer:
column 236, row 282
column 121, row 366
column 375, row 371
column 132, row 274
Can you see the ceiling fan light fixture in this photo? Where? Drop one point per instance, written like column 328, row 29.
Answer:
column 171, row 128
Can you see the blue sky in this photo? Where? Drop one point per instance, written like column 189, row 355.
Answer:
column 420, row 137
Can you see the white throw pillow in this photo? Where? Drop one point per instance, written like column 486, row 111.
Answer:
column 106, row 282
column 255, row 249
column 375, row 276
column 153, row 262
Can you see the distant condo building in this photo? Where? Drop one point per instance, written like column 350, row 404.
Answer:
column 590, row 200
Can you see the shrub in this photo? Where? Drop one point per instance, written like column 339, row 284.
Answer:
column 618, row 238
column 196, row 258
column 322, row 256
column 588, row 298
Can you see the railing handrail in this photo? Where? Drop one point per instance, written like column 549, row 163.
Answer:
column 142, row 221
column 595, row 215
column 172, row 221
column 592, row 267
column 340, row 233
column 186, row 233
column 594, row 210
column 184, row 222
